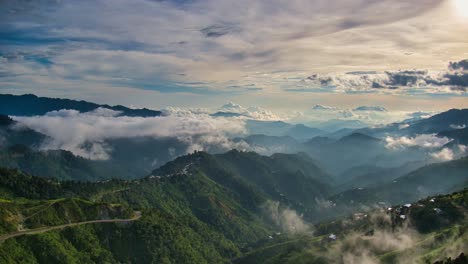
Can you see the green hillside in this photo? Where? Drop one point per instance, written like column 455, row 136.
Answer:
column 293, row 179
column 61, row 164
column 204, row 208
column 186, row 218
column 432, row 179
column 433, row 229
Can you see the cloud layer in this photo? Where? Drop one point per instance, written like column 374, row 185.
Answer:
column 85, row 133
column 436, row 147
column 447, row 154
column 368, row 115
column 454, row 80
column 423, row 141
column 225, row 48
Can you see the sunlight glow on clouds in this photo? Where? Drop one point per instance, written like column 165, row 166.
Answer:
column 219, row 49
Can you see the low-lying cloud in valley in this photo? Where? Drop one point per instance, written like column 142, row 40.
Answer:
column 424, row 141
column 436, row 146
column 285, row 218
column 357, row 249
column 447, row 154
column 85, row 134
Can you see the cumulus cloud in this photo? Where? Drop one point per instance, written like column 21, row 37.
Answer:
column 85, row 133
column 436, row 146
column 213, row 46
column 454, row 80
column 459, row 65
column 254, row 112
column 447, row 154
column 424, row 141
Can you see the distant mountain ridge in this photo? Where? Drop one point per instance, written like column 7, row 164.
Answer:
column 428, row 180
column 442, row 122
column 280, row 128
column 31, row 105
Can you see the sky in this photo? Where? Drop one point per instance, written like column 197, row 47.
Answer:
column 291, row 60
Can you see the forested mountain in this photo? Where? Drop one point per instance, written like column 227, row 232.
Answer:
column 357, row 150
column 23, row 148
column 30, row 105
column 429, row 231
column 185, row 216
column 428, row 180
column 305, row 198
column 293, row 179
column 210, row 199
column 233, row 132
column 61, row 164
column 13, row 133
column 459, row 136
column 185, row 219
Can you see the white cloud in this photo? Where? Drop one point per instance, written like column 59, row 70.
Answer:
column 232, row 107
column 371, row 115
column 288, row 219
column 354, row 248
column 403, row 126
column 371, row 118
column 447, row 154
column 181, row 112
column 424, row 141
column 448, row 81
column 270, row 44
column 253, row 112
column 462, row 149
column 85, row 133
column 458, row 126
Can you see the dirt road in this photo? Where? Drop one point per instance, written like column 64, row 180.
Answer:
column 50, row 228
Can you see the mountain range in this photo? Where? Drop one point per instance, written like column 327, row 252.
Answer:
column 296, row 194
column 31, row 105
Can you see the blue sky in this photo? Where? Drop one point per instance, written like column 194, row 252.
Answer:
column 285, row 56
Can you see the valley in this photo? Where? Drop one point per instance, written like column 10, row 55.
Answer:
column 296, row 200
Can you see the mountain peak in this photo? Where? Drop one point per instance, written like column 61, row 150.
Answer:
column 358, row 136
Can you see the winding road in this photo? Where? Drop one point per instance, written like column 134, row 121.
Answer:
column 137, row 215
